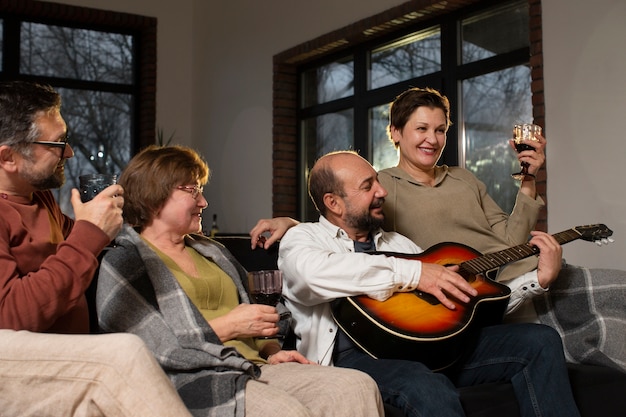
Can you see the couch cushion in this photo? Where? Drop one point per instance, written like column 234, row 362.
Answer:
column 252, row 260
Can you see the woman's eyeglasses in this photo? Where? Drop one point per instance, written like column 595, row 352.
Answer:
column 195, row 191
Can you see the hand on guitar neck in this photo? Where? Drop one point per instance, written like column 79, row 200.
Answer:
column 550, row 260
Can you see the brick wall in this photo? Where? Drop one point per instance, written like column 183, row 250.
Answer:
column 539, row 108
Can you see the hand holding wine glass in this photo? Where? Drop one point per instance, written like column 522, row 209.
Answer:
column 522, row 133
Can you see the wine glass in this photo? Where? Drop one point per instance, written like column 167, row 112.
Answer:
column 266, row 288
column 92, row 184
column 521, row 133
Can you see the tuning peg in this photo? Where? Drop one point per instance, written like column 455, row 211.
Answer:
column 605, row 241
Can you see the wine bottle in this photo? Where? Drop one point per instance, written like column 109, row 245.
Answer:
column 214, row 229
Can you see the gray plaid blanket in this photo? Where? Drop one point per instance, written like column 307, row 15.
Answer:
column 588, row 308
column 138, row 294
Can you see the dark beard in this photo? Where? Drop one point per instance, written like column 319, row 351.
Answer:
column 365, row 221
column 55, row 180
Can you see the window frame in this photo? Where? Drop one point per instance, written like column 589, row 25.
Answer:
column 142, row 28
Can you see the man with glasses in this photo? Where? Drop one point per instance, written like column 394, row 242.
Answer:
column 47, row 261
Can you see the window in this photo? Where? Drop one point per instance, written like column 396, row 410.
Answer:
column 493, row 100
column 409, row 57
column 100, row 63
column 478, row 55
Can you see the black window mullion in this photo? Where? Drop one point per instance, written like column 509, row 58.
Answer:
column 361, row 118
column 495, row 63
column 11, row 52
column 450, row 41
column 328, row 107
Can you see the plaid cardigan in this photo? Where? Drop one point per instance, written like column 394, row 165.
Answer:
column 138, row 294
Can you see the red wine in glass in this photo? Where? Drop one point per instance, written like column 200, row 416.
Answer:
column 523, row 147
column 266, row 288
column 271, row 299
column 521, row 133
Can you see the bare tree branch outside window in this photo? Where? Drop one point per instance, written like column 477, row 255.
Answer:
column 98, row 119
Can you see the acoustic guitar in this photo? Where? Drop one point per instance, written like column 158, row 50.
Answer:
column 416, row 326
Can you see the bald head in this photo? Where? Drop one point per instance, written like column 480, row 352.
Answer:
column 345, row 190
column 329, row 173
column 343, row 164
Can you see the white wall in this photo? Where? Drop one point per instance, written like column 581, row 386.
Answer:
column 584, row 68
column 215, row 89
column 234, row 44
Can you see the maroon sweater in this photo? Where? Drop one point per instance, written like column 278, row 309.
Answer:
column 46, row 263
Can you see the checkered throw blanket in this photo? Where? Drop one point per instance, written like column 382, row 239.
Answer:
column 137, row 293
column 588, row 308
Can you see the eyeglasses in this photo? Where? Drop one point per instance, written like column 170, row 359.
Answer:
column 60, row 144
column 195, row 191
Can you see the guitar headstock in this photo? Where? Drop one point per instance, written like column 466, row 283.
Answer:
column 598, row 233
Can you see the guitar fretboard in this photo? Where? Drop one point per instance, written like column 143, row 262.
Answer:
column 495, row 260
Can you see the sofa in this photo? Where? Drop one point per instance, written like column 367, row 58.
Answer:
column 598, row 391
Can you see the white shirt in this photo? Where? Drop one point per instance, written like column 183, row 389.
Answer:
column 319, row 265
column 523, row 288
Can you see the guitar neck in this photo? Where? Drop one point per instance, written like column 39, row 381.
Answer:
column 491, row 261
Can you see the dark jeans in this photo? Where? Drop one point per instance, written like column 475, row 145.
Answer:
column 530, row 356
